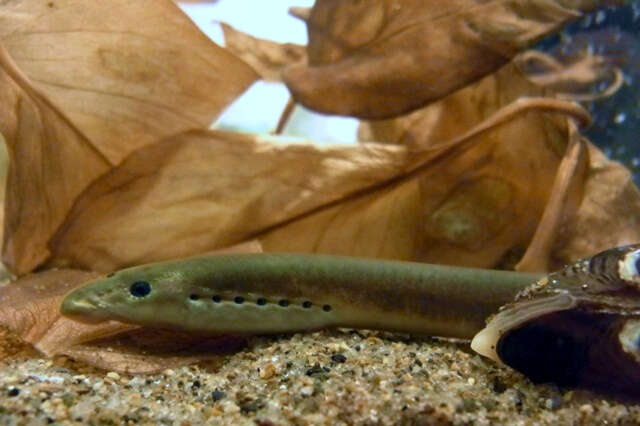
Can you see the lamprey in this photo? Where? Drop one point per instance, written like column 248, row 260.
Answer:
column 579, row 326
column 273, row 293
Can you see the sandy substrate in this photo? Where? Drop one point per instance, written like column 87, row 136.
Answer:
column 333, row 377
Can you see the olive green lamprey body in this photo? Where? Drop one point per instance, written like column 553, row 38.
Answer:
column 579, row 326
column 274, row 293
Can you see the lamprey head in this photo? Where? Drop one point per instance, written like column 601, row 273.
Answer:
column 209, row 295
column 141, row 295
column 578, row 327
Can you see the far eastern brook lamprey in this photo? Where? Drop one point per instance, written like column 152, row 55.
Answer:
column 579, row 326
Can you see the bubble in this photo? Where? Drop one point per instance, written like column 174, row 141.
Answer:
column 620, row 118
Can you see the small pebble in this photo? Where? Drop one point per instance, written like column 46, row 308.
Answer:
column 217, row 395
column 230, row 407
column 339, row 358
column 314, row 370
column 268, row 371
column 113, row 375
column 13, row 392
column 586, row 409
column 552, row 403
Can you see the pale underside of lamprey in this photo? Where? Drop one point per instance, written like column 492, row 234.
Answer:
column 578, row 327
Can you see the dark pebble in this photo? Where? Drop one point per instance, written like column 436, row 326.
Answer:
column 14, row 392
column 517, row 400
column 339, row 358
column 252, row 406
column 196, row 384
column 314, row 370
column 489, row 404
column 498, row 385
column 217, row 395
column 468, row 405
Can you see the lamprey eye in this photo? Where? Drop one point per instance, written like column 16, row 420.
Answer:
column 140, row 289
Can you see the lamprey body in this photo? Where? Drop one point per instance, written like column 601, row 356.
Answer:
column 272, row 293
column 578, row 327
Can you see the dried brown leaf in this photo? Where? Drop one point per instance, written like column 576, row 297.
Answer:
column 469, row 203
column 81, row 87
column 215, row 188
column 609, row 215
column 472, row 105
column 580, row 80
column 455, row 114
column 124, row 78
column 30, row 308
column 470, row 207
column 301, row 13
column 267, row 57
column 51, row 162
column 202, row 190
column 566, row 195
column 383, row 58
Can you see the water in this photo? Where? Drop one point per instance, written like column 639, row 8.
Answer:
column 614, row 33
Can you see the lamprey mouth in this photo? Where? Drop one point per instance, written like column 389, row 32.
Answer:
column 82, row 310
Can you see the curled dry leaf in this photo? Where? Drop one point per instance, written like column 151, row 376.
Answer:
column 267, row 57
column 609, row 191
column 203, row 190
column 51, row 162
column 81, row 87
column 469, row 208
column 382, row 58
column 579, row 80
column 30, row 308
column 609, row 215
column 469, row 205
column 466, row 203
column 424, row 128
column 301, row 13
column 124, row 79
column 566, row 196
